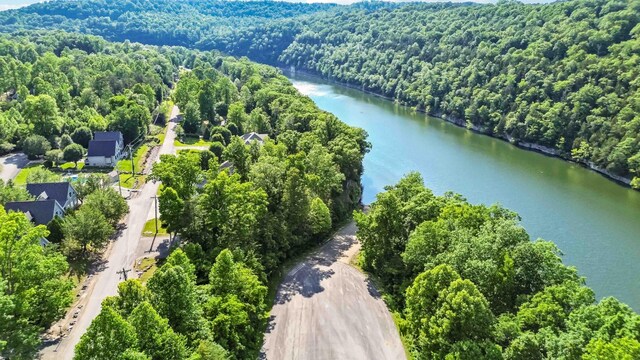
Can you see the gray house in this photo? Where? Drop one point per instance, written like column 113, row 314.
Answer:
column 62, row 192
column 41, row 212
column 249, row 137
column 105, row 149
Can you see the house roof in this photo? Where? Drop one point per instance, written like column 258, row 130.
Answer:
column 107, row 135
column 102, row 148
column 41, row 211
column 247, row 138
column 58, row 191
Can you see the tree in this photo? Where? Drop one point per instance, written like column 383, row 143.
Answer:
column 155, row 337
column 42, row 175
column 87, row 226
column 32, row 286
column 181, row 172
column 73, row 152
column 191, row 120
column 107, row 200
column 237, row 154
column 108, row 337
column 171, row 210
column 217, row 149
column 319, row 217
column 53, row 156
column 131, row 119
column 208, row 350
column 82, row 136
column 237, row 308
column 174, row 296
column 42, row 112
column 35, row 146
column 65, row 140
column 237, row 116
column 89, row 183
column 10, row 192
column 443, row 310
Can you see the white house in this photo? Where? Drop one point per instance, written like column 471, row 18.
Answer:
column 105, row 149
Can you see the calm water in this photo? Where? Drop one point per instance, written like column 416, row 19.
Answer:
column 595, row 222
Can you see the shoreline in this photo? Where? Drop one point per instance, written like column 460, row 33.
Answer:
column 540, row 149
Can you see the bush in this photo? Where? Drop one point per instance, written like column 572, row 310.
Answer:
column 222, row 131
column 82, row 136
column 217, row 149
column 73, row 152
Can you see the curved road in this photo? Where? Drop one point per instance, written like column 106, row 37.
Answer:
column 326, row 309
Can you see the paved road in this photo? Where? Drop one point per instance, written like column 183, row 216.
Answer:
column 11, row 164
column 122, row 255
column 326, row 309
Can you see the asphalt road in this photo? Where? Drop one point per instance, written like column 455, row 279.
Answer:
column 11, row 164
column 326, row 309
column 121, row 255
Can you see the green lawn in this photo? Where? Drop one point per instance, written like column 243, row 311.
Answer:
column 72, row 166
column 191, row 141
column 139, row 156
column 21, row 178
column 150, row 228
column 128, row 181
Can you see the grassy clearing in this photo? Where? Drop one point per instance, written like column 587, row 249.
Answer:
column 139, row 156
column 21, row 178
column 148, row 266
column 150, row 228
column 191, row 141
column 129, row 181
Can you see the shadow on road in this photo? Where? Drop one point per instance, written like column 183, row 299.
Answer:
column 305, row 279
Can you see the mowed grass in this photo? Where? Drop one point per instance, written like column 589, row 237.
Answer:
column 129, row 181
column 150, row 228
column 71, row 165
column 139, row 156
column 191, row 141
column 21, row 178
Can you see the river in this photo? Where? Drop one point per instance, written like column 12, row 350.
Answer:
column 594, row 221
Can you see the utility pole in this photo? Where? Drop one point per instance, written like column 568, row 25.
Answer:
column 133, row 169
column 155, row 198
column 119, row 184
column 123, row 272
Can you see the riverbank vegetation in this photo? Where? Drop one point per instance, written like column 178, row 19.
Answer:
column 559, row 77
column 468, row 282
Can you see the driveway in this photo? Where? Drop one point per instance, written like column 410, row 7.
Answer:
column 122, row 254
column 11, row 164
column 327, row 309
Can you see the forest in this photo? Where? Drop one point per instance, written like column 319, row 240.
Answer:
column 466, row 281
column 237, row 223
column 560, row 78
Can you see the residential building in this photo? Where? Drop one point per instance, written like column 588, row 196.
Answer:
column 252, row 136
column 41, row 212
column 62, row 192
column 105, row 149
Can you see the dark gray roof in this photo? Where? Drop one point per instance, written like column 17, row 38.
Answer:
column 58, row 191
column 102, row 148
column 247, row 138
column 107, row 135
column 41, row 211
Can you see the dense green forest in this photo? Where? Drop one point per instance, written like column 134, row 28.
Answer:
column 561, row 76
column 467, row 282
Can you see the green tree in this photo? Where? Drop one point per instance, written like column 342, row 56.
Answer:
column 155, row 337
column 108, row 337
column 319, row 217
column 237, row 309
column 65, row 140
column 82, row 136
column 238, row 155
column 10, row 192
column 172, row 210
column 85, row 227
column 208, row 350
column 73, row 152
column 191, row 120
column 181, row 172
column 41, row 112
column 131, row 119
column 107, row 200
column 35, row 146
column 42, row 175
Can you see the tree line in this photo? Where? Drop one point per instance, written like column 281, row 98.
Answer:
column 467, row 282
column 560, row 76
